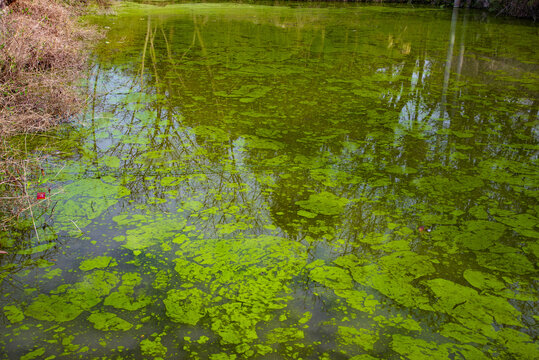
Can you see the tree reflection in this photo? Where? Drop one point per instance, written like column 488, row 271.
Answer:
column 360, row 111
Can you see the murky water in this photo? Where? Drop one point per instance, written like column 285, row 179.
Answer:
column 274, row 182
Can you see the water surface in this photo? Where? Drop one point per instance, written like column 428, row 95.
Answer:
column 285, row 183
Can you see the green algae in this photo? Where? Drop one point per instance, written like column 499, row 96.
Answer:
column 280, row 335
column 480, row 234
column 234, row 323
column 279, row 163
column 87, row 199
column 332, row 277
column 399, row 322
column 37, row 249
column 324, row 203
column 508, row 262
column 519, row 344
column 53, row 273
column 69, row 302
column 33, row 354
column 186, row 306
column 359, row 300
column 463, row 334
column 126, row 297
column 483, row 281
column 162, row 279
column 98, row 262
column 389, row 279
column 420, row 349
column 363, row 338
column 106, row 321
column 153, row 348
column 363, row 357
column 156, row 230
column 247, row 294
column 246, row 93
column 13, row 314
column 471, row 309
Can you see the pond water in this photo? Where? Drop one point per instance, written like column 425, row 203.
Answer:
column 273, row 182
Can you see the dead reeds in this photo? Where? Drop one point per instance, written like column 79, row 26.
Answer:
column 16, row 172
column 42, row 55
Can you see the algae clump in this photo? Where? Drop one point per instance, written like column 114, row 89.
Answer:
column 186, row 306
column 324, row 203
column 72, row 300
column 106, row 321
column 98, row 263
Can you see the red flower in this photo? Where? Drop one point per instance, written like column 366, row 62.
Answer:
column 41, row 195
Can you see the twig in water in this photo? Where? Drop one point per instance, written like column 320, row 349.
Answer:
column 74, row 223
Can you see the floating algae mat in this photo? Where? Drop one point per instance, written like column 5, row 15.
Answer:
column 340, row 182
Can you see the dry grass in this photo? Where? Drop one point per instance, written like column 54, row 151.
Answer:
column 41, row 56
column 15, row 173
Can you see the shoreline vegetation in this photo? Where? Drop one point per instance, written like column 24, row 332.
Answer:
column 42, row 56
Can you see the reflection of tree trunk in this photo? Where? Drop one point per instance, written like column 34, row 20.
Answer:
column 449, row 58
column 462, row 42
column 154, row 58
column 144, row 53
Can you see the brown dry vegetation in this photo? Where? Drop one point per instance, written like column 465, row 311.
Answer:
column 42, row 54
column 15, row 172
